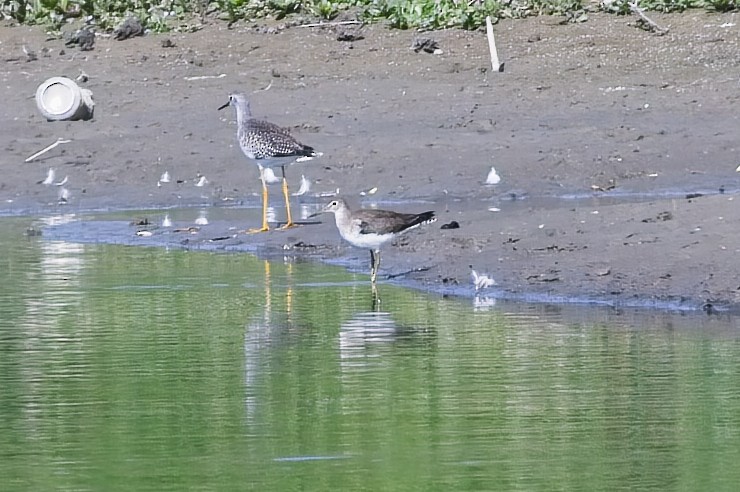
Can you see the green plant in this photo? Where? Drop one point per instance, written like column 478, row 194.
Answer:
column 426, row 14
column 561, row 7
column 669, row 5
column 326, row 9
column 622, row 7
column 163, row 15
column 618, row 7
column 721, row 5
column 282, row 8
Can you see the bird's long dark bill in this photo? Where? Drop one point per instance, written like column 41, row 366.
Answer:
column 224, row 106
column 316, row 214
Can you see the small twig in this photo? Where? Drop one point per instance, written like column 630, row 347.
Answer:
column 495, row 64
column 391, row 276
column 327, row 24
column 204, row 77
column 265, row 88
column 653, row 25
column 47, row 149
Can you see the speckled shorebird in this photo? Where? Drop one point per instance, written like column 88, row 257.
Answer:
column 370, row 228
column 269, row 146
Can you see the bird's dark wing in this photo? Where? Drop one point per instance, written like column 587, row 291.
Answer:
column 388, row 222
column 271, row 140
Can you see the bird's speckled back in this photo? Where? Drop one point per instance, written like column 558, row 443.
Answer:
column 264, row 140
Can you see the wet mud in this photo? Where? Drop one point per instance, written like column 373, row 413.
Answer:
column 616, row 149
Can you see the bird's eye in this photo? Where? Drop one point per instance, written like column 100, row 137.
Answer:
column 333, row 204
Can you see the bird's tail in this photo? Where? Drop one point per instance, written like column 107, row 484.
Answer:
column 307, row 153
column 424, row 218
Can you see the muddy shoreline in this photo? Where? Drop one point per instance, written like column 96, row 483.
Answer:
column 617, row 149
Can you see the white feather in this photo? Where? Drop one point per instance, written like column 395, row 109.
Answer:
column 269, row 176
column 202, row 219
column 64, row 195
column 493, row 177
column 329, row 193
column 50, row 174
column 481, row 281
column 305, row 186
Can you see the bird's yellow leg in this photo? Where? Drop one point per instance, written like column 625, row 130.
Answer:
column 265, row 227
column 289, row 223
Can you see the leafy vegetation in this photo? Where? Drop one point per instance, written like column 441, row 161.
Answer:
column 405, row 14
column 723, row 5
column 163, row 15
column 105, row 14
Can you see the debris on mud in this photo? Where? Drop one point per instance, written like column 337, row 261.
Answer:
column 661, row 217
column 130, row 28
column 349, row 35
column 644, row 22
column 84, row 38
column 141, row 221
column 550, row 276
column 304, row 245
column 30, row 54
column 611, row 184
column 428, row 45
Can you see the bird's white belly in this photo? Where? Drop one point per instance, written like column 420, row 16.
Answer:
column 370, row 241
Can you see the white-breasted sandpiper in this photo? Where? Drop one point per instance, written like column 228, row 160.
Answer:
column 371, row 228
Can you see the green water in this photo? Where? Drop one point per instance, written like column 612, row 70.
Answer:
column 126, row 368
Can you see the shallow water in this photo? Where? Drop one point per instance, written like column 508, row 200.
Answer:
column 133, row 368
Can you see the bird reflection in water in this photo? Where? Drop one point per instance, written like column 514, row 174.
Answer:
column 260, row 334
column 361, row 338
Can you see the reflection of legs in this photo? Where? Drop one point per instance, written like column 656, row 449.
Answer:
column 376, row 298
column 374, row 264
column 265, row 227
column 289, row 290
column 289, row 222
column 268, row 291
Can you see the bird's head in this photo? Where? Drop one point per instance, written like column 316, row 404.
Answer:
column 333, row 206
column 238, row 100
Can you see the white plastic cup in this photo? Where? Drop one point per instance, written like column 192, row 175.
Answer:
column 60, row 98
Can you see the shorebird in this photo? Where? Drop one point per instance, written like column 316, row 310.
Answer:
column 267, row 145
column 370, row 228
